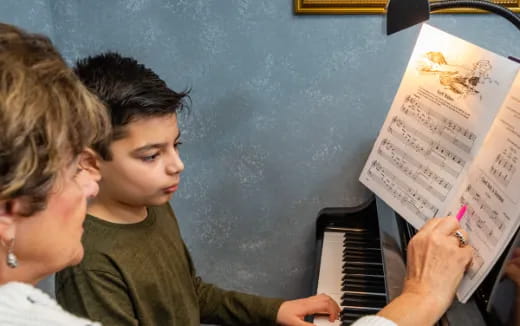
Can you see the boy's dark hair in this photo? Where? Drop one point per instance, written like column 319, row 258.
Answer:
column 130, row 91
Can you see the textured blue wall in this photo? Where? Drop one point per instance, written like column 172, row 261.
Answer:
column 285, row 109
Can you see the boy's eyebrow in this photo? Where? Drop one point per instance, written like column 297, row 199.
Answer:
column 148, row 147
column 154, row 146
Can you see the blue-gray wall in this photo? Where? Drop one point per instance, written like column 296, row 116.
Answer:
column 285, row 109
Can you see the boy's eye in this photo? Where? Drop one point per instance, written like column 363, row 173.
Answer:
column 177, row 144
column 149, row 158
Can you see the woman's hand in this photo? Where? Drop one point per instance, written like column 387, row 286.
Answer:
column 292, row 313
column 435, row 266
column 436, row 262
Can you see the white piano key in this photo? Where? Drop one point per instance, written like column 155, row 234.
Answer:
column 329, row 280
column 324, row 321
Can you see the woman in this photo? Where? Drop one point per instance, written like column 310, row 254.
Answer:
column 47, row 120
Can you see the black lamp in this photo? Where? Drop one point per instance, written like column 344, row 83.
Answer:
column 401, row 14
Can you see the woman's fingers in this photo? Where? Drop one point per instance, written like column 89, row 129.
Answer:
column 430, row 224
column 448, row 225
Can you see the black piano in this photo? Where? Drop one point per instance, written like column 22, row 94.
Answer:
column 361, row 254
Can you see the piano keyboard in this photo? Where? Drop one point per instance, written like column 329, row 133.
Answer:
column 349, row 266
column 351, row 272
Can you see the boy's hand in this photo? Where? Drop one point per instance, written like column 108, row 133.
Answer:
column 292, row 313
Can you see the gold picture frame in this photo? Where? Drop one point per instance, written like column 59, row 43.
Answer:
column 364, row 7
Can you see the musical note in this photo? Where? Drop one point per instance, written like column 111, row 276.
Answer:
column 406, row 195
column 481, row 220
column 422, row 144
column 503, row 168
column 437, row 123
column 421, row 174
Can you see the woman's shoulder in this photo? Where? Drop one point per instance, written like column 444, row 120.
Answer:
column 23, row 304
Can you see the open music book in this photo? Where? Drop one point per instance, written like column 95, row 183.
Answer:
column 452, row 137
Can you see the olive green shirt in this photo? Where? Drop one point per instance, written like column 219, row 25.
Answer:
column 142, row 274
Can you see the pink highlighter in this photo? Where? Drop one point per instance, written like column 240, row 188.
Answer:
column 461, row 212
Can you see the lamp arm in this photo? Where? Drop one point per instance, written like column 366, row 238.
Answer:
column 478, row 4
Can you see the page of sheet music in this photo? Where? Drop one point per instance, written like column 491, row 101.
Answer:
column 445, row 105
column 491, row 191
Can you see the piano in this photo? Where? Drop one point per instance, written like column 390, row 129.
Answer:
column 360, row 262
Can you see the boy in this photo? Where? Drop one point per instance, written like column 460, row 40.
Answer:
column 137, row 270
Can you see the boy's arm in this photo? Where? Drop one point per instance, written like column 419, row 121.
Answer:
column 232, row 308
column 97, row 295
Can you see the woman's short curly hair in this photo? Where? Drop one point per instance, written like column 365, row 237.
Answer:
column 47, row 117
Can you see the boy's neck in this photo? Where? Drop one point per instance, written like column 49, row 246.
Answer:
column 115, row 211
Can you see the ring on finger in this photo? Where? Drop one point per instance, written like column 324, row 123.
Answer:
column 462, row 240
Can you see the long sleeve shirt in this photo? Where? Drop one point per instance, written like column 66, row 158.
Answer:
column 142, row 274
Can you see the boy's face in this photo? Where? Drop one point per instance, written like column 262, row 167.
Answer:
column 145, row 167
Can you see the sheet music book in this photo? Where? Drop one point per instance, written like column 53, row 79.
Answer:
column 452, row 137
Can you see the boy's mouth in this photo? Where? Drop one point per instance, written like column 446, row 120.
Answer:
column 171, row 189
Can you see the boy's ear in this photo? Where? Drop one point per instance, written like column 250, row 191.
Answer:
column 10, row 210
column 90, row 161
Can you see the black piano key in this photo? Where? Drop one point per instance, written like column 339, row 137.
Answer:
column 353, row 299
column 364, row 288
column 350, row 315
column 363, row 277
column 357, row 256
column 360, row 235
column 359, row 253
column 349, row 280
column 361, row 258
column 361, row 243
column 350, row 235
column 361, row 274
column 346, row 289
column 362, row 269
column 363, row 296
column 358, row 231
column 362, row 249
column 374, row 271
column 372, row 303
column 359, row 310
column 366, row 263
column 361, row 239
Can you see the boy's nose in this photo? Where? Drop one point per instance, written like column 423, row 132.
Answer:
column 175, row 165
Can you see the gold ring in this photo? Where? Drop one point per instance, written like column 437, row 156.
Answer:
column 460, row 237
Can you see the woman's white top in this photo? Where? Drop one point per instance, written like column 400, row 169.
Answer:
column 374, row 321
column 24, row 305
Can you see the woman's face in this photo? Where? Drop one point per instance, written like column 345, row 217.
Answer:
column 51, row 239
